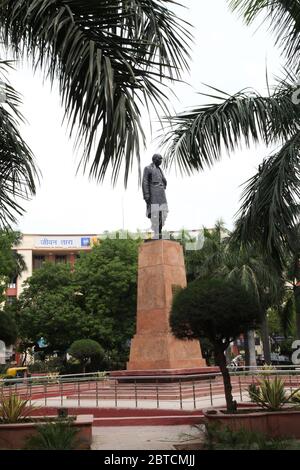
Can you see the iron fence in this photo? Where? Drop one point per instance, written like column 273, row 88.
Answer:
column 192, row 391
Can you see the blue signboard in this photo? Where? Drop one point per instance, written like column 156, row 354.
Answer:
column 85, row 241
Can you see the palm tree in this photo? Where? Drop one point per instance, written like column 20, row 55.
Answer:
column 17, row 168
column 292, row 278
column 270, row 203
column 109, row 58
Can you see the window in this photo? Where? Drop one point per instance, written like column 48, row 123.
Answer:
column 60, row 259
column 38, row 261
column 10, row 299
column 13, row 283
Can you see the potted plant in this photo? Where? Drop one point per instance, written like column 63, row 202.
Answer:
column 18, row 424
column 276, row 413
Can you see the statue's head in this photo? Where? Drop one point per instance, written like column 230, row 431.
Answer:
column 157, row 159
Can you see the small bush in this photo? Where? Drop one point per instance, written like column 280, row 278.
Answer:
column 14, row 409
column 296, row 398
column 253, row 389
column 218, row 438
column 59, row 435
column 270, row 394
column 38, row 367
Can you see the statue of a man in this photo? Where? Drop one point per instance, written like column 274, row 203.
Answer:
column 154, row 186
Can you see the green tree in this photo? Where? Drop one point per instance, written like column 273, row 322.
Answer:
column 108, row 58
column 198, row 137
column 85, row 350
column 96, row 300
column 222, row 256
column 11, row 263
column 219, row 311
column 8, row 327
column 107, row 277
column 48, row 308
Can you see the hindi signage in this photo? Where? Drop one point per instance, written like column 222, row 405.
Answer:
column 64, row 242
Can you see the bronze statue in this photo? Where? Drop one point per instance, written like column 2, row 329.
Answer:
column 154, row 186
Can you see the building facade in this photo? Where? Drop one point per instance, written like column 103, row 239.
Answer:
column 36, row 249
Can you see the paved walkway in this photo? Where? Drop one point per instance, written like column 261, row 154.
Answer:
column 143, row 437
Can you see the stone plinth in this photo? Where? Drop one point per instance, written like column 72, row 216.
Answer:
column 160, row 270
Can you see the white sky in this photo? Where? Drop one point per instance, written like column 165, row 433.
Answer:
column 227, row 55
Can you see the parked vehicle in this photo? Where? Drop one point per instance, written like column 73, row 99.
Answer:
column 237, row 363
column 14, row 373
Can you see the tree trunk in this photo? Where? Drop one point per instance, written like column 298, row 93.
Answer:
column 265, row 338
column 297, row 306
column 220, row 356
column 251, row 345
column 24, row 357
column 228, row 355
column 247, row 352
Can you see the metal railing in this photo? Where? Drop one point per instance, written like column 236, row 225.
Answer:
column 192, row 391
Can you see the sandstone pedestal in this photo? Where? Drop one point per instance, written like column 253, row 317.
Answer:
column 160, row 270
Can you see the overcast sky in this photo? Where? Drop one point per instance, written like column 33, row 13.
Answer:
column 227, row 55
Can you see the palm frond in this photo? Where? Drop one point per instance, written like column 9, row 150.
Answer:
column 196, row 138
column 109, row 58
column 17, row 167
column 284, row 19
column 270, row 202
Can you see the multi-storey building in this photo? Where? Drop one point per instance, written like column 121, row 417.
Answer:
column 37, row 249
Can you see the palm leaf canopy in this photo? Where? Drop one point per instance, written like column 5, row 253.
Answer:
column 17, row 168
column 270, row 206
column 197, row 138
column 222, row 256
column 283, row 16
column 109, row 57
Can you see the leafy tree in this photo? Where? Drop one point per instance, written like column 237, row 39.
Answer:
column 218, row 310
column 8, row 327
column 270, row 207
column 48, row 308
column 96, row 300
column 222, row 256
column 11, row 263
column 85, row 350
column 107, row 276
column 108, row 58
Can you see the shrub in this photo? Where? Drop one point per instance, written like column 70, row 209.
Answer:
column 270, row 394
column 296, row 398
column 14, row 409
column 59, row 435
column 253, row 389
column 38, row 367
column 217, row 438
column 84, row 350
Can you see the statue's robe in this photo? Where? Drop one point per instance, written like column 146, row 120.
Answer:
column 154, row 186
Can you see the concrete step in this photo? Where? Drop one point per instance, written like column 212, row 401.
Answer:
column 167, row 420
